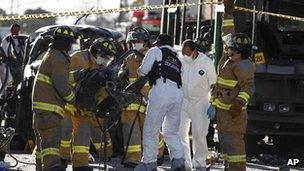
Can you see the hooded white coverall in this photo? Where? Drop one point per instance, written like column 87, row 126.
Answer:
column 163, row 110
column 197, row 77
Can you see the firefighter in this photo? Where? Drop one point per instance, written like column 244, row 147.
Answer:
column 50, row 93
column 164, row 104
column 198, row 76
column 135, row 111
column 79, row 127
column 230, row 97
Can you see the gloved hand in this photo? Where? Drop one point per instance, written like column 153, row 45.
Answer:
column 236, row 109
column 211, row 112
column 71, row 109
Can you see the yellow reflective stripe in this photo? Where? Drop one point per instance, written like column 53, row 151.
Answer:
column 69, row 97
column 70, row 108
column 72, row 77
column 66, row 144
column 81, row 149
column 217, row 103
column 134, row 107
column 137, row 148
column 147, row 84
column 245, row 96
column 212, row 98
column 229, row 83
column 228, row 23
column 236, row 158
column 161, row 143
column 49, row 151
column 38, row 155
column 44, row 78
column 134, row 148
column 101, row 145
column 133, row 79
column 48, row 107
column 225, row 156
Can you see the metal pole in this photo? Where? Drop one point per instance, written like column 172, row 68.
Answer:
column 163, row 26
column 211, row 14
column 168, row 18
column 253, row 28
column 217, row 39
column 176, row 22
column 199, row 18
column 182, row 30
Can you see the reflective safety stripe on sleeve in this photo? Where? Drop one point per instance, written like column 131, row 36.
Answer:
column 135, row 107
column 44, row 78
column 38, row 155
column 49, row 151
column 132, row 80
column 218, row 104
column 236, row 158
column 228, row 83
column 101, row 145
column 65, row 144
column 161, row 143
column 228, row 23
column 81, row 149
column 69, row 97
column 244, row 95
column 49, row 107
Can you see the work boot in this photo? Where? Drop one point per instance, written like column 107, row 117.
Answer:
column 83, row 168
column 146, row 167
column 178, row 164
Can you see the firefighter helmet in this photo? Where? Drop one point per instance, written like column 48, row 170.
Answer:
column 138, row 33
column 65, row 32
column 105, row 46
column 239, row 41
column 204, row 43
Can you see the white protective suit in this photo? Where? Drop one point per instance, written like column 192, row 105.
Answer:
column 198, row 75
column 5, row 44
column 163, row 110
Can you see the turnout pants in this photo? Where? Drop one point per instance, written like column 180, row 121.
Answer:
column 97, row 138
column 231, row 134
column 133, row 149
column 47, row 130
column 75, row 142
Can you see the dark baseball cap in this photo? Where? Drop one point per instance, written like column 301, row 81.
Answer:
column 164, row 39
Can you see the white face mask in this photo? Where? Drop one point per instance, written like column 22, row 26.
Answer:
column 138, row 46
column 101, row 61
column 188, row 58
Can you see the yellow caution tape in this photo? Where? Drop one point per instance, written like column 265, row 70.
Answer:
column 269, row 13
column 99, row 11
